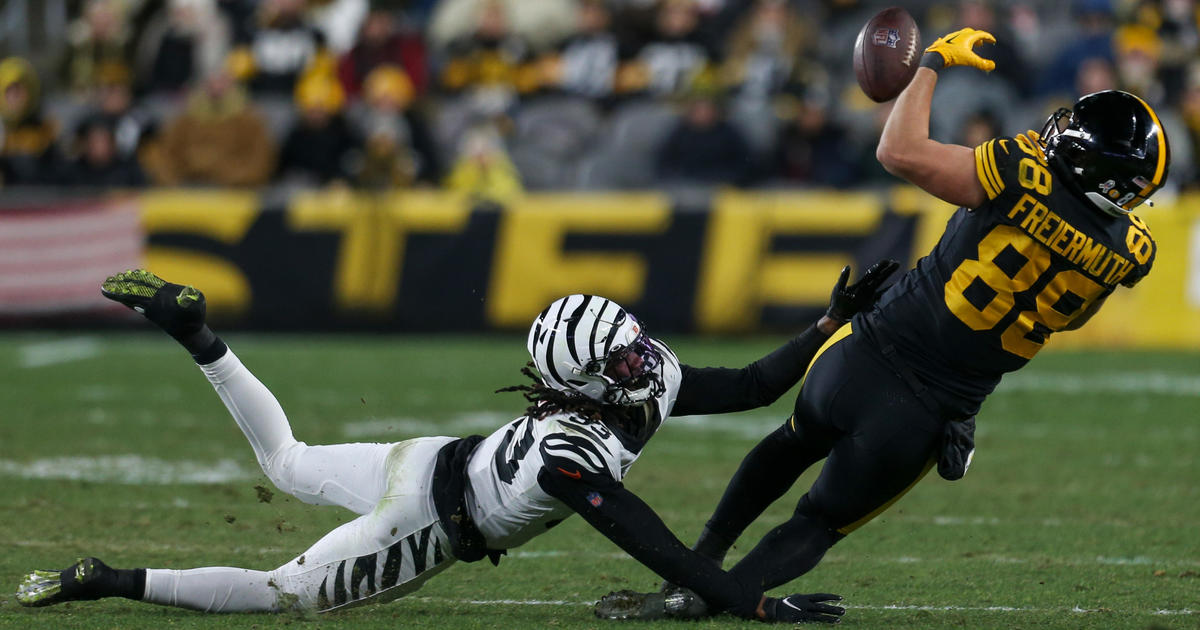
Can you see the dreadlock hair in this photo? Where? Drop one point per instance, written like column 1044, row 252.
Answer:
column 546, row 401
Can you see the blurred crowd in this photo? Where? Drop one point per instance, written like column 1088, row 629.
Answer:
column 494, row 97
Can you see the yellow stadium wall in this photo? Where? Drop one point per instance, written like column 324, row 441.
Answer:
column 714, row 262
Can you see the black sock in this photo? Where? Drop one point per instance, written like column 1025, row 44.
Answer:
column 204, row 345
column 130, row 583
column 105, row 581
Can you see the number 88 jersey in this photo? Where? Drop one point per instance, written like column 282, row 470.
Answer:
column 1006, row 275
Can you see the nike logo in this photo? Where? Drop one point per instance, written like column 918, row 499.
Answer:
column 573, row 475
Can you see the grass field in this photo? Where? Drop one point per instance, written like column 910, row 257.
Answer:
column 1082, row 509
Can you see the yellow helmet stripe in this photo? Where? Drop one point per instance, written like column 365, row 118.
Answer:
column 1162, row 151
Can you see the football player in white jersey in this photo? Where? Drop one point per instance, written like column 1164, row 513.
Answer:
column 601, row 390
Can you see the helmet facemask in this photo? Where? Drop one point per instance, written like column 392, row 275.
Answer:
column 632, row 372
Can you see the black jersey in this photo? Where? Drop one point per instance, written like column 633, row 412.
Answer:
column 1005, row 275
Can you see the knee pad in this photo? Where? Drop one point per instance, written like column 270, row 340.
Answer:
column 280, row 466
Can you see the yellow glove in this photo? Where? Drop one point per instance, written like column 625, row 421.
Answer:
column 955, row 49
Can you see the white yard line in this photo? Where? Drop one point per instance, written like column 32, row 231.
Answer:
column 837, row 559
column 127, row 469
column 550, row 554
column 1149, row 382
column 886, row 607
column 137, row 546
column 46, row 353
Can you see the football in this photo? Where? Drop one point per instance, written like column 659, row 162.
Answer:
column 887, row 53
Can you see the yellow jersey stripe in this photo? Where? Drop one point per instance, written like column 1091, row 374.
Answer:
column 981, row 170
column 985, row 150
column 982, row 174
column 993, row 169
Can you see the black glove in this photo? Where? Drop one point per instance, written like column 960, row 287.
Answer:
column 958, row 448
column 799, row 608
column 848, row 300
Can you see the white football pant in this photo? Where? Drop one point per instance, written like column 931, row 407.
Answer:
column 390, row 550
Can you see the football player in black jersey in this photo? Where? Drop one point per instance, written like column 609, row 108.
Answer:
column 1044, row 235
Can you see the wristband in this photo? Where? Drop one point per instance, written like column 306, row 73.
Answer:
column 933, row 60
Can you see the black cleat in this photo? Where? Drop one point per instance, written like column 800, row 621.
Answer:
column 674, row 602
column 177, row 309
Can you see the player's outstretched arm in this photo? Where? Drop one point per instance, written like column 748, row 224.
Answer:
column 630, row 523
column 946, row 171
column 724, row 390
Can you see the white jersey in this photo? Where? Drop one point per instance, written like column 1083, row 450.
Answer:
column 503, row 496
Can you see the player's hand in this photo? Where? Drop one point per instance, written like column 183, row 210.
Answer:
column 799, row 608
column 957, row 49
column 860, row 296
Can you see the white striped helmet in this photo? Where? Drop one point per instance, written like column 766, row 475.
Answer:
column 578, row 341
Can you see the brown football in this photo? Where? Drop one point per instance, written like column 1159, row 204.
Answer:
column 887, row 53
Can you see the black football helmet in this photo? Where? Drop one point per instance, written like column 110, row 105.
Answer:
column 1111, row 148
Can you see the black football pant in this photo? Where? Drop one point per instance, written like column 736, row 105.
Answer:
column 877, row 438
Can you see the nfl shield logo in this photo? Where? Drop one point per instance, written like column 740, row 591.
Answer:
column 595, row 499
column 889, row 37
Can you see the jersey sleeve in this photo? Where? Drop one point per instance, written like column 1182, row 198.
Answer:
column 991, row 160
column 1142, row 250
column 724, row 390
column 580, row 453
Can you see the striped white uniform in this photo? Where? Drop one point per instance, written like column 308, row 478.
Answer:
column 504, row 498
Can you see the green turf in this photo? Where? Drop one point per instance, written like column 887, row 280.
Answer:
column 1081, row 511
